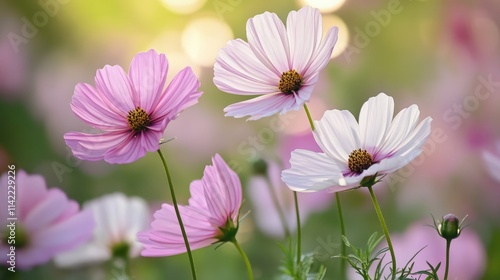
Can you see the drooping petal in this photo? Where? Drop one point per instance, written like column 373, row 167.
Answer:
column 114, row 84
column 267, row 38
column 113, row 147
column 374, row 121
column 311, row 171
column 182, row 92
column 148, row 72
column 238, row 71
column 96, row 110
column 337, row 133
column 263, row 106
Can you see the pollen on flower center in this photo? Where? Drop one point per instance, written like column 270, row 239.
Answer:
column 138, row 119
column 359, row 160
column 290, row 81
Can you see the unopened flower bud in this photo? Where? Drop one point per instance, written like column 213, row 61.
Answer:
column 449, row 227
column 259, row 167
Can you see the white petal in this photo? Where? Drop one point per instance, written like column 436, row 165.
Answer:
column 88, row 253
column 374, row 120
column 337, row 133
column 416, row 139
column 238, row 71
column 267, row 38
column 322, row 54
column 492, row 164
column 311, row 171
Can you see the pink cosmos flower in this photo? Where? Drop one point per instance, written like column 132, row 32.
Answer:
column 378, row 145
column 210, row 217
column 132, row 111
column 47, row 222
column 280, row 64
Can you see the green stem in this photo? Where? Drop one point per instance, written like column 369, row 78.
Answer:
column 177, row 213
column 299, row 231
column 342, row 231
column 278, row 206
column 448, row 243
column 309, row 117
column 384, row 228
column 245, row 259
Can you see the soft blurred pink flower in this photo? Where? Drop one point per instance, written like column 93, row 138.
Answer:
column 378, row 145
column 132, row 111
column 467, row 252
column 210, row 217
column 118, row 219
column 47, row 222
column 280, row 64
column 492, row 162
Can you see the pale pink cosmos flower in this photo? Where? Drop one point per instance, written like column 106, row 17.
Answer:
column 211, row 215
column 118, row 219
column 492, row 162
column 132, row 111
column 280, row 64
column 47, row 222
column 378, row 145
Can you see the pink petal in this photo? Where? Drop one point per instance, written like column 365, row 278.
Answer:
column 322, row 55
column 96, row 110
column 268, row 40
column 30, row 192
column 230, row 186
column 52, row 205
column 147, row 73
column 114, row 84
column 238, row 71
column 263, row 106
column 182, row 92
column 113, row 147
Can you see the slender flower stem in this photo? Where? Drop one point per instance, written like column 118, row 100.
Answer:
column 274, row 196
column 339, row 207
column 177, row 213
column 299, row 231
column 448, row 243
column 245, row 259
column 309, row 117
column 342, row 231
column 386, row 231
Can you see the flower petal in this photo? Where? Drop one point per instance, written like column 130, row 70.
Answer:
column 238, row 71
column 304, row 33
column 416, row 139
column 182, row 92
column 148, row 72
column 114, row 84
column 263, row 106
column 492, row 163
column 267, row 38
column 337, row 133
column 374, row 121
column 96, row 110
column 310, row 172
column 322, row 55
column 52, row 205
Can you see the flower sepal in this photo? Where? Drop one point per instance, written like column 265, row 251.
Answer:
column 369, row 181
column 449, row 227
column 227, row 232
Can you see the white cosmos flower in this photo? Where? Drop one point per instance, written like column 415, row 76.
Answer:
column 118, row 219
column 378, row 145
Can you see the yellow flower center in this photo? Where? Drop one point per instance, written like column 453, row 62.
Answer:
column 138, row 119
column 290, row 82
column 359, row 160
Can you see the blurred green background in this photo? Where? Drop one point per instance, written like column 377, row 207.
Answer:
column 430, row 53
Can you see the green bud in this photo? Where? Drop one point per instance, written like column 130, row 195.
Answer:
column 449, row 228
column 259, row 167
column 120, row 250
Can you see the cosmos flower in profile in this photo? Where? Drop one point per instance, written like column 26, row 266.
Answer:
column 131, row 111
column 352, row 151
column 47, row 222
column 281, row 64
column 211, row 215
